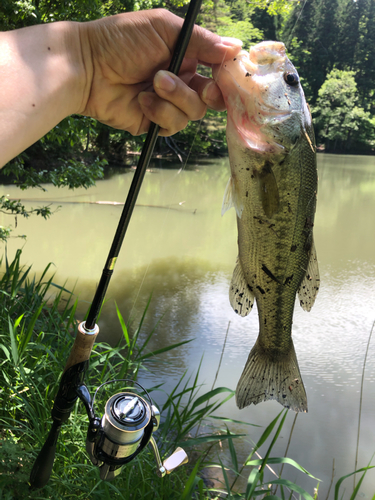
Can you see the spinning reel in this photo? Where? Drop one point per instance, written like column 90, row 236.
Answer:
column 125, row 429
column 114, row 439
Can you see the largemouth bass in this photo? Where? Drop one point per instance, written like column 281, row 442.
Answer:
column 273, row 187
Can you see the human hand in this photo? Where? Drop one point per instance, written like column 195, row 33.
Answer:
column 125, row 59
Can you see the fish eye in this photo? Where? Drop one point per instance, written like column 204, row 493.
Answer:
column 291, row 79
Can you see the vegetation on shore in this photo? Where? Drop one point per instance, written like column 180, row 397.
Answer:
column 331, row 45
column 327, row 42
column 37, row 326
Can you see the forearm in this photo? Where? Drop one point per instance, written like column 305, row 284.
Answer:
column 42, row 80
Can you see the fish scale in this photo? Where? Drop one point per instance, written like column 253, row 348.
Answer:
column 273, row 188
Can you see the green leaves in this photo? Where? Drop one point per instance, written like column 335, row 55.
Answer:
column 339, row 120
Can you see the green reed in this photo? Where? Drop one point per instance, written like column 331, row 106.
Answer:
column 37, row 329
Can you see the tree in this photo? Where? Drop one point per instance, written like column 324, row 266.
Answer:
column 340, row 122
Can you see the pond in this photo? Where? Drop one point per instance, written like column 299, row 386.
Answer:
column 181, row 250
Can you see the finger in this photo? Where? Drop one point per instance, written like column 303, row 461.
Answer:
column 171, row 88
column 169, row 118
column 204, row 45
column 208, row 91
column 209, row 48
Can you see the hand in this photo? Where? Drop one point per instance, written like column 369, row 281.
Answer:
column 112, row 69
column 126, row 57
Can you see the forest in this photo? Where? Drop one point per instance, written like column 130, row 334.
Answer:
column 329, row 41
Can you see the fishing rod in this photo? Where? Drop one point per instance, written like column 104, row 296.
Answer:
column 129, row 419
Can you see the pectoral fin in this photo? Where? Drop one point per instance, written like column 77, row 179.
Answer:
column 232, row 199
column 310, row 285
column 240, row 295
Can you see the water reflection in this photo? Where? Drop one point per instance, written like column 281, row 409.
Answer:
column 184, row 255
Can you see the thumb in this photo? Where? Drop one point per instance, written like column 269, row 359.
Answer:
column 210, row 48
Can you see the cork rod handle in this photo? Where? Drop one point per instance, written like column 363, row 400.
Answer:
column 82, row 346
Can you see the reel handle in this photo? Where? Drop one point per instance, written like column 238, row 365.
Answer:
column 43, row 464
column 178, row 457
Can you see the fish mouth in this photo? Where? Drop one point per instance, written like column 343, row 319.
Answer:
column 267, row 53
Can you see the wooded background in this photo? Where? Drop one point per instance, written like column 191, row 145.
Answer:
column 331, row 43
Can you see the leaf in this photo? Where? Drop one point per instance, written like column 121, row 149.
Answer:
column 338, row 484
column 211, row 394
column 212, row 438
column 123, row 326
column 281, row 460
column 6, row 351
column 264, row 436
column 191, row 482
column 13, row 343
column 30, row 329
column 275, row 437
column 160, row 351
column 233, row 453
column 292, row 486
column 226, row 419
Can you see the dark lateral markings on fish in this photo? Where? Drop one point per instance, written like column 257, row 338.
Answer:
column 268, row 272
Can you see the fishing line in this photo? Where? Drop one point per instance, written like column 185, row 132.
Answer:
column 295, row 24
column 168, row 183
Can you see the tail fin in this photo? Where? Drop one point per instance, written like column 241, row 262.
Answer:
column 264, row 378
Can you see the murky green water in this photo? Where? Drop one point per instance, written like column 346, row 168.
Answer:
column 180, row 248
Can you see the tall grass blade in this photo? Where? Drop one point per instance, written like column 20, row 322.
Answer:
column 211, row 438
column 30, row 329
column 252, row 482
column 123, row 326
column 265, row 435
column 360, row 400
column 191, row 482
column 161, row 350
column 339, row 482
column 292, row 486
column 211, row 394
column 277, row 433
column 233, row 454
column 233, row 421
column 13, row 343
column 280, row 460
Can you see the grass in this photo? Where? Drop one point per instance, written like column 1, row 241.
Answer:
column 37, row 327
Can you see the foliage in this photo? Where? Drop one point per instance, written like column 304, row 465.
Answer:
column 35, row 341
column 339, row 120
column 15, row 208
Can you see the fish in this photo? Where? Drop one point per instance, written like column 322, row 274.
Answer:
column 273, row 188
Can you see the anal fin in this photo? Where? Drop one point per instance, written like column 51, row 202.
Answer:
column 240, row 295
column 310, row 285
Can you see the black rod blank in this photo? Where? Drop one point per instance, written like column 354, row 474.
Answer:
column 43, row 465
column 147, row 150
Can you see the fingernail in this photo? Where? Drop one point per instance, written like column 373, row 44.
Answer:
column 231, row 42
column 145, row 98
column 164, row 81
column 211, row 92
